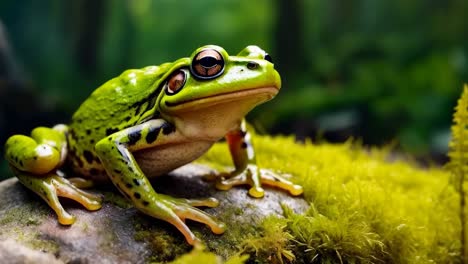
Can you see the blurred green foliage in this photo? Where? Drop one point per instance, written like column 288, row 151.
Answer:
column 377, row 70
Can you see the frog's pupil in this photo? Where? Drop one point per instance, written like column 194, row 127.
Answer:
column 208, row 62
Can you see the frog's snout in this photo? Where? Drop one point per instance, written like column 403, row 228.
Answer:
column 266, row 70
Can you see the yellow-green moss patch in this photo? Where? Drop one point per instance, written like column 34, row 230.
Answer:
column 160, row 242
column 365, row 209
column 199, row 255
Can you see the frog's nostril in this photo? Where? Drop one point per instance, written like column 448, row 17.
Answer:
column 252, row 65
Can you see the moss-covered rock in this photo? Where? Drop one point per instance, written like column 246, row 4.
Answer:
column 118, row 233
column 358, row 207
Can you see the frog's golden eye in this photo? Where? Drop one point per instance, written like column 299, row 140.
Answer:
column 175, row 82
column 207, row 64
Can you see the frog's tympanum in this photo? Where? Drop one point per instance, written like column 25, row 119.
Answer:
column 147, row 122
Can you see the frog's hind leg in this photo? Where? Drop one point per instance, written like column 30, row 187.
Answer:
column 40, row 153
column 35, row 160
column 49, row 187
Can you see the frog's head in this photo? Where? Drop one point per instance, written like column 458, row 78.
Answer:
column 209, row 93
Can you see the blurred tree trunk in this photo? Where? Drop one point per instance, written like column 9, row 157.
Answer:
column 289, row 38
column 19, row 110
column 84, row 20
column 9, row 69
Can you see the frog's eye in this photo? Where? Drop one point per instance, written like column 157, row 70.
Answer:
column 207, row 64
column 268, row 58
column 175, row 82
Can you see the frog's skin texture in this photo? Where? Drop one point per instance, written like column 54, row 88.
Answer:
column 147, row 122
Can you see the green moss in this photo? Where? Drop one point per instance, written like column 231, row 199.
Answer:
column 198, row 255
column 85, row 227
column 109, row 238
column 274, row 244
column 18, row 222
column 160, row 241
column 238, row 231
column 22, row 215
column 365, row 208
column 42, row 244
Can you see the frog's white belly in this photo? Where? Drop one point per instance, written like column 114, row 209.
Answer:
column 163, row 159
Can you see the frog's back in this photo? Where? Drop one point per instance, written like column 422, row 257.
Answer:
column 114, row 106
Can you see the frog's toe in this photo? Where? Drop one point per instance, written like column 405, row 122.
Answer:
column 195, row 214
column 182, row 227
column 210, row 177
column 272, row 179
column 49, row 194
column 50, row 187
column 66, row 189
column 64, row 218
column 184, row 209
column 209, row 202
column 46, row 189
column 185, row 230
column 257, row 192
column 226, row 184
column 176, row 211
column 256, row 179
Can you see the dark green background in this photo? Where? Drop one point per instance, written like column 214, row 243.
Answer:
column 380, row 71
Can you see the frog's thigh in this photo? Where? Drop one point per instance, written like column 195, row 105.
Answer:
column 34, row 161
column 40, row 153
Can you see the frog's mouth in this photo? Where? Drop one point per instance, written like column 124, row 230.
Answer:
column 259, row 95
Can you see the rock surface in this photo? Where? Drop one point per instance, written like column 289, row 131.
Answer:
column 118, row 233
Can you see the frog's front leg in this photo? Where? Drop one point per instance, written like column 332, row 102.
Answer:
column 35, row 162
column 115, row 152
column 246, row 169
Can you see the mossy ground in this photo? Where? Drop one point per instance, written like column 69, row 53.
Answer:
column 14, row 222
column 366, row 207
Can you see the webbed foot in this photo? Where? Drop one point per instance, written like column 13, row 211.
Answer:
column 51, row 186
column 177, row 210
column 256, row 177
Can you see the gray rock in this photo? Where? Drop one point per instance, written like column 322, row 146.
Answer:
column 14, row 252
column 118, row 233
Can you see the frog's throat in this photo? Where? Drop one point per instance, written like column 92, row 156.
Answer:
column 267, row 93
column 210, row 118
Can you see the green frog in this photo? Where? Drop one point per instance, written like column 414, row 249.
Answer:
column 147, row 122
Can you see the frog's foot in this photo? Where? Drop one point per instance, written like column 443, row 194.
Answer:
column 81, row 182
column 51, row 186
column 255, row 178
column 176, row 211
